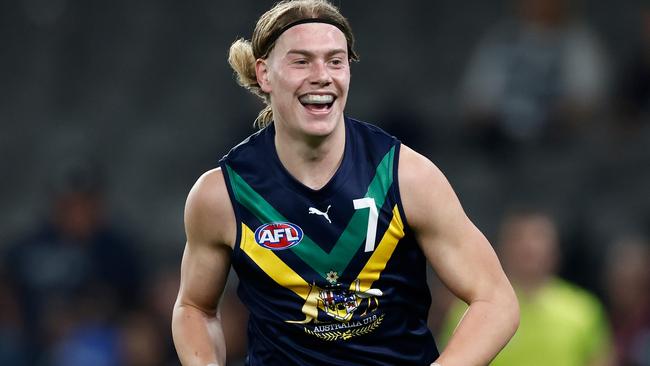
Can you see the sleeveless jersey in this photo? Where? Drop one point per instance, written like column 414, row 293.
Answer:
column 328, row 275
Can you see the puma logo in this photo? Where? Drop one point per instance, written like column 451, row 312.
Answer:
column 316, row 211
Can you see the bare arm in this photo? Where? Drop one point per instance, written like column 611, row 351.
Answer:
column 463, row 259
column 210, row 229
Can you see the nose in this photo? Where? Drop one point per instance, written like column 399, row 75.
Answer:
column 320, row 74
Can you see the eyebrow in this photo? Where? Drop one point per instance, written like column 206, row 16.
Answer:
column 310, row 53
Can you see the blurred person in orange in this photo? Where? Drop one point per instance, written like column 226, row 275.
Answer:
column 313, row 212
column 627, row 285
column 561, row 324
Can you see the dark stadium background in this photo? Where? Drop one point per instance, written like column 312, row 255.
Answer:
column 142, row 89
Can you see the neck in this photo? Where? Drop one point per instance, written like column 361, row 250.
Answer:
column 312, row 160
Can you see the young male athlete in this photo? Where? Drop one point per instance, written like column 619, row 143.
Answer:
column 313, row 212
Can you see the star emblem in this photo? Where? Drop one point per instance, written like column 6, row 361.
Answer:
column 332, row 277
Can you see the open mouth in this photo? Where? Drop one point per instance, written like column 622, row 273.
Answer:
column 317, row 102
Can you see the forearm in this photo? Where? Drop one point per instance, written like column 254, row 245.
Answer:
column 198, row 337
column 483, row 331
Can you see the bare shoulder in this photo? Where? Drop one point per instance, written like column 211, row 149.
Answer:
column 426, row 194
column 415, row 168
column 209, row 216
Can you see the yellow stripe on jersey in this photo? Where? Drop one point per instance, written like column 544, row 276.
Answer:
column 272, row 265
column 377, row 262
column 286, row 277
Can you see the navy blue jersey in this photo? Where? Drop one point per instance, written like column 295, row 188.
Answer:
column 328, row 275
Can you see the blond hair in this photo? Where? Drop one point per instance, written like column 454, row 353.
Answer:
column 244, row 53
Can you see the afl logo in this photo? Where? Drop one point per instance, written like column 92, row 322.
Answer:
column 278, row 235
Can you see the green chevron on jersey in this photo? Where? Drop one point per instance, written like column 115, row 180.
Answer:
column 348, row 242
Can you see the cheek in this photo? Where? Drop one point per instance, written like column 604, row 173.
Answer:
column 286, row 81
column 343, row 80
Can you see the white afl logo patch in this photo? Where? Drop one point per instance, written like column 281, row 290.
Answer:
column 278, row 235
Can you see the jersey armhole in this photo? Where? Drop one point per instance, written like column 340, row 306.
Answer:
column 398, row 197
column 235, row 208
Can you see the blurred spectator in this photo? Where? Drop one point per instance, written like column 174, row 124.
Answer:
column 142, row 341
column 86, row 344
column 74, row 273
column 633, row 95
column 533, row 79
column 147, row 338
column 627, row 281
column 561, row 324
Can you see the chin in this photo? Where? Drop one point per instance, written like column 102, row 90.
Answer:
column 321, row 125
column 306, row 123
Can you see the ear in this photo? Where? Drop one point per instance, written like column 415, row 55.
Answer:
column 262, row 74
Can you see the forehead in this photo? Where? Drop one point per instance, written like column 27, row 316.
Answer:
column 311, row 36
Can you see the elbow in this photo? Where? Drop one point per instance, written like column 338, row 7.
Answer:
column 506, row 307
column 515, row 321
column 181, row 306
column 513, row 314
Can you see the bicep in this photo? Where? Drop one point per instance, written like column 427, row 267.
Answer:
column 463, row 259
column 204, row 270
column 458, row 252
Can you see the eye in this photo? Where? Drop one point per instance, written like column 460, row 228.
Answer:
column 337, row 62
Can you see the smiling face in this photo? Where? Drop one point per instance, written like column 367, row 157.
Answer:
column 307, row 76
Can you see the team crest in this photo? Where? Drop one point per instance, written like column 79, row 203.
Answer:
column 278, row 235
column 340, row 304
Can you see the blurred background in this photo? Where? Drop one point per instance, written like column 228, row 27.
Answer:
column 538, row 112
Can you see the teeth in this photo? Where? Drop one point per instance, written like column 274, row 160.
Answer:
column 316, row 99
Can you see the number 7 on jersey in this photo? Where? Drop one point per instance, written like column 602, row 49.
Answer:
column 373, row 216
